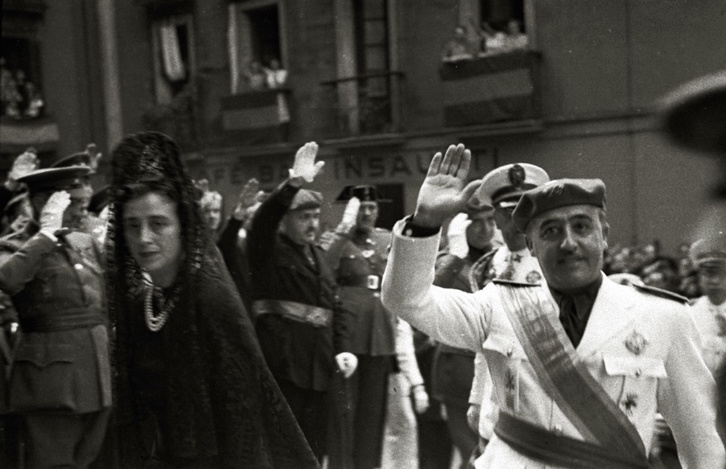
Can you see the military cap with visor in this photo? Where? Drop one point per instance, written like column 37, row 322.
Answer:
column 56, row 179
column 502, row 187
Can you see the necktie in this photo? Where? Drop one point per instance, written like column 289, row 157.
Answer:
column 570, row 320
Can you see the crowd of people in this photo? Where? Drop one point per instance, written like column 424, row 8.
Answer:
column 494, row 327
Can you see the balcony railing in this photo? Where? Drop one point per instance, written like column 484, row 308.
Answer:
column 496, row 88
column 256, row 117
column 366, row 104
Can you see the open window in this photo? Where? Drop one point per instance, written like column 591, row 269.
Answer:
column 256, row 45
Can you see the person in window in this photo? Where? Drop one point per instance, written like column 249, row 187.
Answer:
column 255, row 76
column 458, row 48
column 276, row 76
column 516, row 39
column 193, row 388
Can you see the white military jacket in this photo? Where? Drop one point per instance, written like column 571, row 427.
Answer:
column 667, row 376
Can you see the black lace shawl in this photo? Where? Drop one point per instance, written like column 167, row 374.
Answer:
column 221, row 398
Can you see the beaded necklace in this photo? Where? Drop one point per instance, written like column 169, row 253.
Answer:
column 153, row 321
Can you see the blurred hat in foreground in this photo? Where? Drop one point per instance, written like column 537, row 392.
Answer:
column 710, row 245
column 556, row 194
column 694, row 114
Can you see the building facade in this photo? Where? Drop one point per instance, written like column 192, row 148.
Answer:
column 570, row 86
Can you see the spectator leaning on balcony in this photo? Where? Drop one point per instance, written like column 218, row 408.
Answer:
column 580, row 364
column 301, row 327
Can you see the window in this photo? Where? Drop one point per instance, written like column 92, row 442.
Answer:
column 499, row 14
column 256, row 39
column 20, row 93
column 496, row 26
column 173, row 48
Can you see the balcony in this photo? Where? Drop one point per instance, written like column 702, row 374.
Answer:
column 256, row 117
column 489, row 89
column 366, row 104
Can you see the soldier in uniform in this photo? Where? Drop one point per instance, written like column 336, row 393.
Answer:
column 357, row 254
column 60, row 385
column 83, row 220
column 300, row 326
column 709, row 311
column 501, row 188
column 580, row 365
column 469, row 236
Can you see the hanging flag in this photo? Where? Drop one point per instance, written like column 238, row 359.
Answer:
column 490, row 89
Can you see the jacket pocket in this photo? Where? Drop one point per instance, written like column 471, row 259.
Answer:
column 637, row 377
column 506, row 360
column 43, row 378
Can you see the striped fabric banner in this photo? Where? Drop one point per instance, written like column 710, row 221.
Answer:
column 496, row 88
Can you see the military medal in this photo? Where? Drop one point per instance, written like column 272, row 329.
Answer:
column 636, row 342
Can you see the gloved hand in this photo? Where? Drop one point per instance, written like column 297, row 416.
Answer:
column 350, row 216
column 95, row 156
column 305, row 166
column 347, row 363
column 51, row 217
column 472, row 416
column 420, row 399
column 457, row 235
column 23, row 164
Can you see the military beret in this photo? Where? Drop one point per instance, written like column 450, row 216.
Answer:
column 694, row 114
column 556, row 194
column 68, row 177
column 509, row 182
column 364, row 193
column 306, row 199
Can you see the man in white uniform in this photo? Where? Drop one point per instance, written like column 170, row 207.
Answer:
column 580, row 365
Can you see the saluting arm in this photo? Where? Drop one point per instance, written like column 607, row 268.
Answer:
column 449, row 316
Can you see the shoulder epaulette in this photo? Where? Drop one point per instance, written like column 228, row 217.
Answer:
column 512, row 283
column 661, row 293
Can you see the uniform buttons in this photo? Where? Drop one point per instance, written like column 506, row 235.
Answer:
column 78, row 266
column 376, row 295
column 510, row 352
column 638, row 373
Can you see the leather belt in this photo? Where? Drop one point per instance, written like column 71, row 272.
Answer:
column 540, row 444
column 314, row 315
column 63, row 321
column 371, row 282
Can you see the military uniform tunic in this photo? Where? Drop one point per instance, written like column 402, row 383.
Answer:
column 667, row 373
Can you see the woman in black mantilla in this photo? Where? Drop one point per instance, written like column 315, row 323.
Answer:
column 192, row 388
